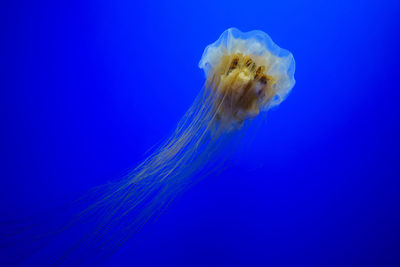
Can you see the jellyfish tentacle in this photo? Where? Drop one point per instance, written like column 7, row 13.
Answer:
column 246, row 73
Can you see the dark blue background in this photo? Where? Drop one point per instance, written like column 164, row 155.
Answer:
column 88, row 87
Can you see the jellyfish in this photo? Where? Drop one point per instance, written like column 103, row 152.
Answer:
column 245, row 74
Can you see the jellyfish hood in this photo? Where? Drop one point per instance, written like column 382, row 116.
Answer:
column 278, row 64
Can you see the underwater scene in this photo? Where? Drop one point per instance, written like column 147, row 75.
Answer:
column 200, row 133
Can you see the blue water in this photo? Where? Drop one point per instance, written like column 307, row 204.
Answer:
column 88, row 87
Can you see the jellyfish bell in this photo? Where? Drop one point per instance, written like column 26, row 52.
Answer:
column 246, row 73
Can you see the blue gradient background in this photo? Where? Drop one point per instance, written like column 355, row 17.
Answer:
column 88, row 87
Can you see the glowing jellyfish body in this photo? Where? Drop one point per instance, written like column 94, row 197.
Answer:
column 246, row 73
